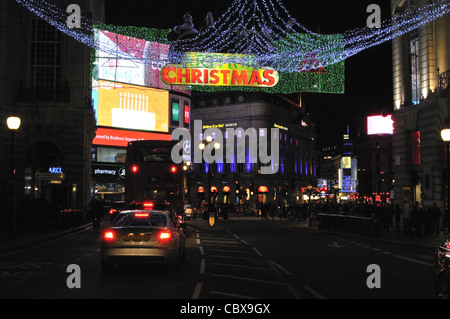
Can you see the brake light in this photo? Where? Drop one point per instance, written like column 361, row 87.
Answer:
column 141, row 215
column 173, row 169
column 111, row 211
column 109, row 235
column 148, row 205
column 134, row 168
column 165, row 235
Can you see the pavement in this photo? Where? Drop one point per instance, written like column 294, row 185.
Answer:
column 26, row 239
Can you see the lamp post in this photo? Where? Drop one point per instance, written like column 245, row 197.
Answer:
column 13, row 123
column 309, row 204
column 202, row 146
column 336, row 191
column 445, row 135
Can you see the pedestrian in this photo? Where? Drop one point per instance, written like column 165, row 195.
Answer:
column 435, row 217
column 415, row 220
column 397, row 215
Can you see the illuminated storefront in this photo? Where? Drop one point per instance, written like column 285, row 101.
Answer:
column 295, row 169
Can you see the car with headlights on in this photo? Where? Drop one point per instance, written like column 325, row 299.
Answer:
column 189, row 211
column 143, row 236
column 441, row 269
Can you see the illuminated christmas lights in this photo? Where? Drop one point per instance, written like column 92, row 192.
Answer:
column 263, row 29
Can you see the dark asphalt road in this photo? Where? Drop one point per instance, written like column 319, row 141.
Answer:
column 238, row 259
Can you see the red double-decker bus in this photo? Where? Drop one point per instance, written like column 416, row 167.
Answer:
column 151, row 176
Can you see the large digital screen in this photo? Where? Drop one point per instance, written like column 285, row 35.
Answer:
column 134, row 61
column 127, row 90
column 132, row 107
column 379, row 125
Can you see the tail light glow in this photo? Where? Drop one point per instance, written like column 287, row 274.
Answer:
column 165, row 236
column 173, row 169
column 148, row 205
column 134, row 168
column 109, row 235
column 141, row 215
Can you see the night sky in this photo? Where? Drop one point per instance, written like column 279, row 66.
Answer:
column 368, row 74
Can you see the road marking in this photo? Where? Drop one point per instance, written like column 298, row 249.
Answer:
column 231, row 251
column 277, row 266
column 202, row 251
column 414, row 261
column 202, row 266
column 314, row 293
column 256, row 251
column 230, row 295
column 198, row 289
column 241, row 266
column 335, row 245
column 236, row 237
column 251, row 279
column 232, row 257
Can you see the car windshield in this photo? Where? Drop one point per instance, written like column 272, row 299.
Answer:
column 141, row 219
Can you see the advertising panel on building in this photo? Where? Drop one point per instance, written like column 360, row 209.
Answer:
column 131, row 103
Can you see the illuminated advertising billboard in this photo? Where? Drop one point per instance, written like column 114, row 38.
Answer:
column 380, row 125
column 135, row 61
column 133, row 107
column 127, row 90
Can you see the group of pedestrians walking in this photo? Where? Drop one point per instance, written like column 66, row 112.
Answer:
column 422, row 221
column 427, row 220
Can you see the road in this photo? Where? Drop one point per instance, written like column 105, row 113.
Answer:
column 236, row 259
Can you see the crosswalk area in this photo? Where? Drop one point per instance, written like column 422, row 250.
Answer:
column 232, row 268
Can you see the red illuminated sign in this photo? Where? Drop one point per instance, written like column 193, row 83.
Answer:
column 172, row 75
column 186, row 114
column 111, row 137
column 263, row 189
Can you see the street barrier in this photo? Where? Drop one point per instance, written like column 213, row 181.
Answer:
column 363, row 226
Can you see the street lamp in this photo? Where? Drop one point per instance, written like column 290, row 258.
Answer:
column 13, row 123
column 445, row 135
column 336, row 191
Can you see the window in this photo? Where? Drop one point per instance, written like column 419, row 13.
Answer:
column 45, row 61
column 153, row 220
column 414, row 68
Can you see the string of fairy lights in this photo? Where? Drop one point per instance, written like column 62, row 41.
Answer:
column 263, row 29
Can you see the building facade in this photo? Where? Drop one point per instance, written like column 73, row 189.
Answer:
column 45, row 80
column 242, row 181
column 421, row 74
column 375, row 176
